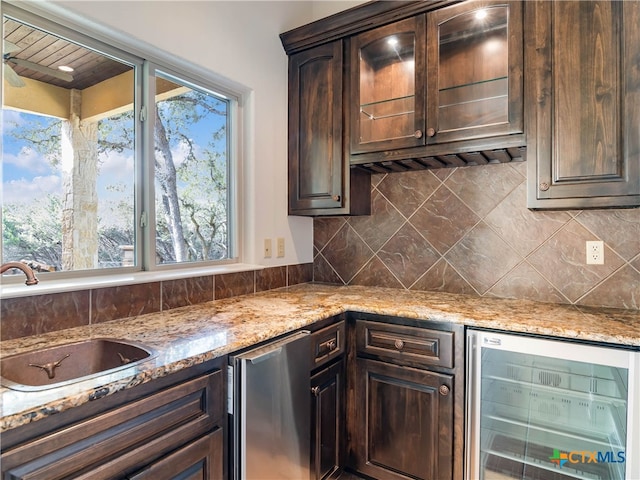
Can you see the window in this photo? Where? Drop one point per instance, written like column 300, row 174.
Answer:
column 110, row 160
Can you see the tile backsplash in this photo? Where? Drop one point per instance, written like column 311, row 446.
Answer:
column 24, row 316
column 467, row 230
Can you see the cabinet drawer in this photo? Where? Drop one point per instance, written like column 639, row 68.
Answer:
column 327, row 344
column 409, row 344
column 110, row 444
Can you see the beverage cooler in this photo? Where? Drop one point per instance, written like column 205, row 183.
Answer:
column 541, row 409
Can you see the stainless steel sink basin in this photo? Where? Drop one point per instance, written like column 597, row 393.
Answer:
column 69, row 363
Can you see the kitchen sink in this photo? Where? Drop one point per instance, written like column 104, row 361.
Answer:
column 52, row 367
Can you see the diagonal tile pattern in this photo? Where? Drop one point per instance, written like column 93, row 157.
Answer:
column 467, row 230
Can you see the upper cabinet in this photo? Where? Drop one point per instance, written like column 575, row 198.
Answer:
column 583, row 122
column 445, row 82
column 319, row 177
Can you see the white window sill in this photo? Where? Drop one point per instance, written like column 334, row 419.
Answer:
column 46, row 286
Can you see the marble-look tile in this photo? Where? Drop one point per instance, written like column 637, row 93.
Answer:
column 442, row 277
column 443, row 220
column 299, row 273
column 409, row 190
column 233, row 284
column 526, row 283
column 186, row 291
column 523, row 229
column 323, row 272
column 375, row 273
column 483, row 188
column 377, row 228
column 408, row 255
column 619, row 229
column 620, row 289
column 562, row 260
column 123, row 301
column 347, row 253
column 376, row 178
column 475, row 257
column 324, row 228
column 270, row 278
column 636, row 263
column 26, row 316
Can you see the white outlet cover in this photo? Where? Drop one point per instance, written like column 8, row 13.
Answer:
column 595, row 252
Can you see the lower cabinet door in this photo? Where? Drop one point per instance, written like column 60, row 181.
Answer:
column 404, row 422
column 201, row 459
column 327, row 432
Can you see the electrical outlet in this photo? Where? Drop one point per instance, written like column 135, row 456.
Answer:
column 595, row 252
column 267, row 248
column 280, row 247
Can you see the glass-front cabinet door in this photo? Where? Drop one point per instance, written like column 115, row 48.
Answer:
column 474, row 71
column 388, row 96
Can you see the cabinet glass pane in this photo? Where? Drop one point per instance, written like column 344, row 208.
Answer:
column 387, row 88
column 473, row 84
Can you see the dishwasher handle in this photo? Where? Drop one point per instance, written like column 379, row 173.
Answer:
column 273, row 349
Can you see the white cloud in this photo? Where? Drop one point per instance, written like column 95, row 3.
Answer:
column 28, row 159
column 117, row 165
column 24, row 191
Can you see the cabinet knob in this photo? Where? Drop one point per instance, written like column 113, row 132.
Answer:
column 315, row 391
column 544, row 186
column 418, row 134
column 399, row 344
column 431, row 132
column 444, row 390
column 336, row 198
column 331, row 345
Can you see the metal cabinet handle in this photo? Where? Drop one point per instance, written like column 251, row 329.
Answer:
column 444, row 390
column 331, row 345
column 336, row 198
column 399, row 344
column 315, row 391
column 544, row 186
column 417, row 134
column 431, row 132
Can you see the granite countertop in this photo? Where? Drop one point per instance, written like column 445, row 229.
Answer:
column 187, row 336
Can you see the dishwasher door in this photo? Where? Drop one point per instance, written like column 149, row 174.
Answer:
column 272, row 410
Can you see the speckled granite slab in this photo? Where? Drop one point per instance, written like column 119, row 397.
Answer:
column 186, row 336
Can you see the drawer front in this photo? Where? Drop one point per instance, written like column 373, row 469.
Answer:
column 327, row 344
column 409, row 344
column 109, row 444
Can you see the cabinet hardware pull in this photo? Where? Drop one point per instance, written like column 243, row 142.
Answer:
column 544, row 186
column 399, row 344
column 336, row 198
column 444, row 390
column 431, row 132
column 331, row 344
column 315, row 391
column 418, row 134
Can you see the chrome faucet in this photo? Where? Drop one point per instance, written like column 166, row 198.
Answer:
column 31, row 277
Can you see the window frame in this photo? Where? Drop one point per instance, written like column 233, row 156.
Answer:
column 145, row 60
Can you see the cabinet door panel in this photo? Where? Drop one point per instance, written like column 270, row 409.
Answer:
column 584, row 129
column 405, row 422
column 315, row 126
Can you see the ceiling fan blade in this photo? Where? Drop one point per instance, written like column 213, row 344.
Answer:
column 8, row 47
column 64, row 76
column 12, row 77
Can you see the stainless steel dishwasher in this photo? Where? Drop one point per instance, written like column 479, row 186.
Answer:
column 271, row 410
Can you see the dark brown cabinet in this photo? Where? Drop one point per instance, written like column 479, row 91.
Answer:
column 442, row 83
column 327, row 425
column 583, row 95
column 320, row 181
column 407, row 399
column 405, row 419
column 328, row 433
column 169, row 428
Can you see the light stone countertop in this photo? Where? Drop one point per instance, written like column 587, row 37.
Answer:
column 187, row 336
